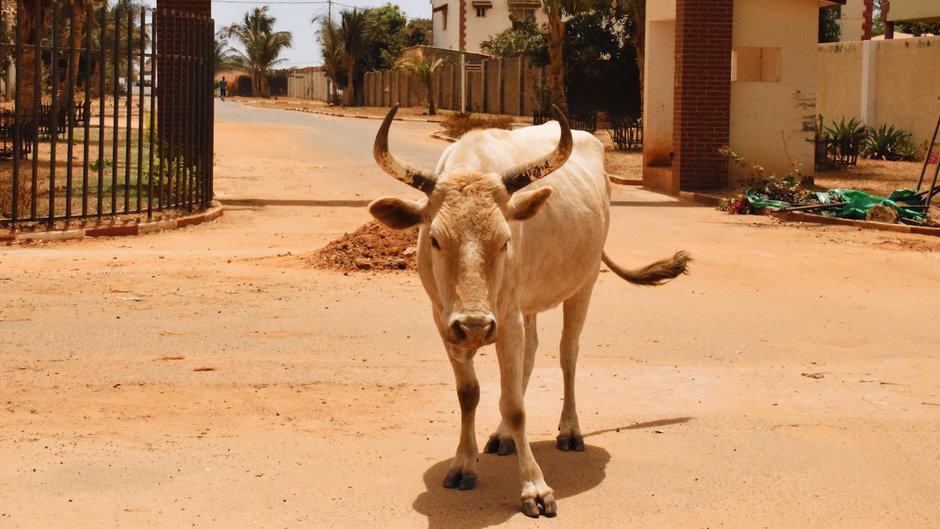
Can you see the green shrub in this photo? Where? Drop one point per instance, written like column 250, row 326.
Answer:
column 889, row 143
column 844, row 140
column 764, row 187
column 460, row 123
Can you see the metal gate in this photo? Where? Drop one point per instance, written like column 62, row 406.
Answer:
column 111, row 114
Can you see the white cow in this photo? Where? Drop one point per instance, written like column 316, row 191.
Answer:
column 499, row 242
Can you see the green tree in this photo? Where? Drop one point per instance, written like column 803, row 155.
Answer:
column 523, row 37
column 557, row 12
column 224, row 56
column 829, row 30
column 637, row 12
column 262, row 47
column 918, row 29
column 602, row 71
column 354, row 31
column 386, row 39
column 424, row 67
column 418, row 32
column 331, row 47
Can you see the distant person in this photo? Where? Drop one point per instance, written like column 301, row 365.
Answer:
column 222, row 89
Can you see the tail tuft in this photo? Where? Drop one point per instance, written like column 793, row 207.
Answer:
column 655, row 273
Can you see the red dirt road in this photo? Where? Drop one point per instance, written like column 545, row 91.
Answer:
column 209, row 377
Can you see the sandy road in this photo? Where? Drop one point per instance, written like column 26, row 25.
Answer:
column 209, row 378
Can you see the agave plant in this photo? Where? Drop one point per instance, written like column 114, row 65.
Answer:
column 844, row 140
column 889, row 143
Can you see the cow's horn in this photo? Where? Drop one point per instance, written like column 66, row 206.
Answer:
column 403, row 171
column 520, row 177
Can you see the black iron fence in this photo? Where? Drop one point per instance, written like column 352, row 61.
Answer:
column 111, row 114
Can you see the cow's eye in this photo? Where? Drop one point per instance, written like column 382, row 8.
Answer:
column 505, row 246
column 436, row 245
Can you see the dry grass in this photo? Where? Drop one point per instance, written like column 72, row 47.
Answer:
column 876, row 177
column 460, row 123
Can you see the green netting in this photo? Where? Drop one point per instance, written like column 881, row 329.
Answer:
column 857, row 203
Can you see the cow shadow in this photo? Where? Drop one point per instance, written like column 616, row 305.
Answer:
column 496, row 498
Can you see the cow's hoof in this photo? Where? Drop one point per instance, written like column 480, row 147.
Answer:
column 455, row 479
column 502, row 447
column 568, row 443
column 545, row 506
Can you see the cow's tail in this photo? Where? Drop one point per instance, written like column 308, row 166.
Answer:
column 654, row 273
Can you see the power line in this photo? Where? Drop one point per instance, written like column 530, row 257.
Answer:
column 283, row 2
column 300, row 2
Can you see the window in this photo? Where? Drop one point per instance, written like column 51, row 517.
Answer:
column 481, row 6
column 524, row 8
column 755, row 64
column 443, row 11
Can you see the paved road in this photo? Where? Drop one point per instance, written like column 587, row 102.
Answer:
column 209, row 377
column 341, row 169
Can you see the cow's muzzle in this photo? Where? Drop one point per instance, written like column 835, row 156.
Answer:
column 472, row 330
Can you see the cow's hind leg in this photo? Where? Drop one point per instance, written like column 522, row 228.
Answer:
column 500, row 442
column 462, row 473
column 575, row 312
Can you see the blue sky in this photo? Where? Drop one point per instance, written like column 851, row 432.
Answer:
column 295, row 16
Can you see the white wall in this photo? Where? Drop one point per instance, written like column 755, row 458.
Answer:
column 884, row 82
column 773, row 110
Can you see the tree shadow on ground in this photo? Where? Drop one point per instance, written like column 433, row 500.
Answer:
column 496, row 497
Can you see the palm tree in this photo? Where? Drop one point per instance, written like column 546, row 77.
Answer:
column 224, row 57
column 424, row 67
column 262, row 46
column 354, row 30
column 332, row 49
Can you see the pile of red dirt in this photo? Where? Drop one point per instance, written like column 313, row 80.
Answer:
column 372, row 247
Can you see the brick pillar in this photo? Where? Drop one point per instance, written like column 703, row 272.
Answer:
column 702, row 92
column 196, row 7
column 183, row 33
column 867, row 15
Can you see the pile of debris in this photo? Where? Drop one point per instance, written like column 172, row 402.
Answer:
column 372, row 247
column 905, row 206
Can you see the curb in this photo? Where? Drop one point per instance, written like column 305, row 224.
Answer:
column 357, row 116
column 796, row 216
column 117, row 230
column 700, row 198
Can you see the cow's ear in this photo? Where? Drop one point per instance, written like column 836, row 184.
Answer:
column 524, row 205
column 396, row 213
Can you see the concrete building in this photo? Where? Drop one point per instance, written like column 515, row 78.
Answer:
column 463, row 24
column 851, row 19
column 728, row 72
column 885, row 82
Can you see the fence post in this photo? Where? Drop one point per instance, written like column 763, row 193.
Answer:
column 499, row 86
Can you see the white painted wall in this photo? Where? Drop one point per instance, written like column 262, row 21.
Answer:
column 883, row 82
column 772, row 118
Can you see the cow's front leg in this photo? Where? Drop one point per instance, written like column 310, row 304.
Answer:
column 575, row 312
column 462, row 473
column 537, row 497
column 501, row 442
